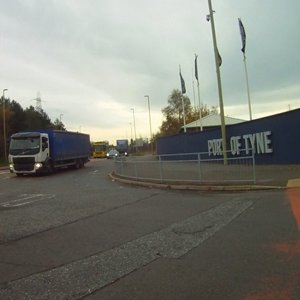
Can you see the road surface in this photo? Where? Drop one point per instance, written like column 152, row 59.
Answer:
column 79, row 235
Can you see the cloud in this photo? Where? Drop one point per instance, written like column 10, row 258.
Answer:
column 94, row 60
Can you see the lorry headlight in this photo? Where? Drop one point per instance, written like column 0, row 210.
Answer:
column 38, row 165
column 11, row 166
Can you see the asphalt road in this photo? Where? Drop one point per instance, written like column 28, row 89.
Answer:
column 78, row 235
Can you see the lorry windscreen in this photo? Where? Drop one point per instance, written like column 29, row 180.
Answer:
column 24, row 146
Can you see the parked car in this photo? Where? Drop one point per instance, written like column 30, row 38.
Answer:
column 112, row 153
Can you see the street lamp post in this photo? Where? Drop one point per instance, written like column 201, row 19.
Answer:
column 134, row 128
column 210, row 17
column 4, row 128
column 130, row 132
column 151, row 142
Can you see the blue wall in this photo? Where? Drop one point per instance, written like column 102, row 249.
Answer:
column 283, row 139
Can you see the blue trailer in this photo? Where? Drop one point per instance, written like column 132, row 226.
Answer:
column 47, row 150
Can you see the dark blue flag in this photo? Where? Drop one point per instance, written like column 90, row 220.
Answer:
column 219, row 59
column 183, row 90
column 243, row 36
column 196, row 67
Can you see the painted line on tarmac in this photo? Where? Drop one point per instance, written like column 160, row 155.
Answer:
column 95, row 172
column 83, row 277
column 26, row 199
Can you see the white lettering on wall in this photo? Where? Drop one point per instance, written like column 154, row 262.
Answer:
column 235, row 145
column 268, row 148
column 215, row 147
column 259, row 142
column 249, row 142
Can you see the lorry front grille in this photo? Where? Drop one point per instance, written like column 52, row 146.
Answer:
column 23, row 160
column 23, row 163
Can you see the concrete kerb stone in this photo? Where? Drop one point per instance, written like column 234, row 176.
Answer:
column 193, row 187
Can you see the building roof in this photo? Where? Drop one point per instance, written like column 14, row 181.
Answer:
column 212, row 120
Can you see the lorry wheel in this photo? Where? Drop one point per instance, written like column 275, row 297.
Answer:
column 77, row 164
column 50, row 168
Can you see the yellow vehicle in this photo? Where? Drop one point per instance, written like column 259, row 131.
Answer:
column 100, row 149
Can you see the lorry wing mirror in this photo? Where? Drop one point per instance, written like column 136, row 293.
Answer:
column 44, row 143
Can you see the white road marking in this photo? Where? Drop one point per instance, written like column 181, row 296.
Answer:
column 27, row 199
column 78, row 279
column 94, row 172
column 4, row 172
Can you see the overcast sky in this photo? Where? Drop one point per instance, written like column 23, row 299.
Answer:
column 94, row 60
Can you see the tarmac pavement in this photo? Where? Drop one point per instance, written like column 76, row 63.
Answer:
column 219, row 246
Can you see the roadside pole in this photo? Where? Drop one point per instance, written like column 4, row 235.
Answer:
column 218, row 63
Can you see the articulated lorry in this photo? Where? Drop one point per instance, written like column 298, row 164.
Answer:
column 44, row 151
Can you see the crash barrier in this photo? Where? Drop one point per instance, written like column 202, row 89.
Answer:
column 188, row 168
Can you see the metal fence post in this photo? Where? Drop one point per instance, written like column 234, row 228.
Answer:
column 160, row 169
column 199, row 167
column 253, row 167
column 135, row 170
column 122, row 167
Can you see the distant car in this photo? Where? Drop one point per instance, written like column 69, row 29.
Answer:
column 112, row 153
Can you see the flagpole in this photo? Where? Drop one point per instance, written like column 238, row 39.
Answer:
column 243, row 37
column 247, row 83
column 198, row 88
column 194, row 97
column 200, row 113
column 195, row 102
column 183, row 111
column 183, row 91
column 217, row 61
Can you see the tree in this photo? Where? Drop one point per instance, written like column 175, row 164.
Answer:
column 170, row 126
column 14, row 121
column 36, row 120
column 18, row 119
column 174, row 108
column 173, row 113
column 15, row 117
column 58, row 125
column 195, row 115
